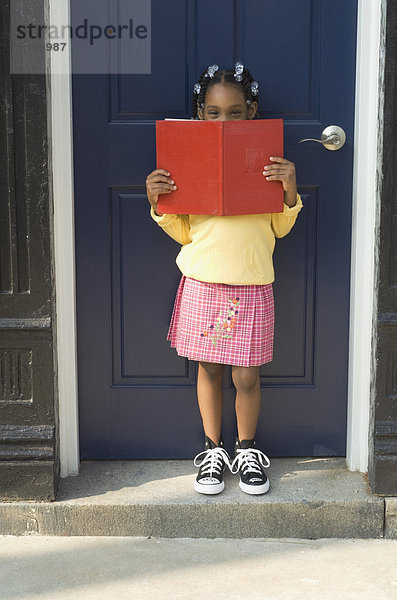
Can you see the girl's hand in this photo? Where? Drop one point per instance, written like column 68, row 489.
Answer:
column 158, row 182
column 282, row 170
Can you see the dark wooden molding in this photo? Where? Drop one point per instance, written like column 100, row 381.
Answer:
column 29, row 448
column 27, row 442
column 383, row 426
column 25, row 323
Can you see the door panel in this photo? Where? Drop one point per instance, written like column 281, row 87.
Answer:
column 137, row 398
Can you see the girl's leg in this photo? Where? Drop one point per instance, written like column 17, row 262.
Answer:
column 209, row 394
column 248, row 400
column 249, row 462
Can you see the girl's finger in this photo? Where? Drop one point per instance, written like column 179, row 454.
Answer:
column 158, row 175
column 280, row 159
column 275, row 169
column 280, row 166
column 278, row 173
column 155, row 188
column 159, row 178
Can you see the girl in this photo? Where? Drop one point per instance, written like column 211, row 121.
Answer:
column 224, row 307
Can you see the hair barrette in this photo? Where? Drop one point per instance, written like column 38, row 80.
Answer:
column 238, row 69
column 196, row 88
column 211, row 70
column 254, row 88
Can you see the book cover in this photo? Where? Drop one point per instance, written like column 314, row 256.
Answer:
column 217, row 166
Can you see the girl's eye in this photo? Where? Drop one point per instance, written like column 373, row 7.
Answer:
column 234, row 112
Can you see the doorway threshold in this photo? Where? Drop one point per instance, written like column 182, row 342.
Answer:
column 308, row 498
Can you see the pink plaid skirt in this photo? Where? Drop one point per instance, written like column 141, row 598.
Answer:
column 223, row 323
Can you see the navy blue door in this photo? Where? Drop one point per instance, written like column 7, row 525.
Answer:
column 137, row 398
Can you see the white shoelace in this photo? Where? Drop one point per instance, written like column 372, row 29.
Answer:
column 212, row 461
column 248, row 460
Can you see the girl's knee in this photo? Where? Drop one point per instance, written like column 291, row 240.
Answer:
column 213, row 371
column 245, row 379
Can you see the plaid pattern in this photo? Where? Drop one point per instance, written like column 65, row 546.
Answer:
column 223, row 323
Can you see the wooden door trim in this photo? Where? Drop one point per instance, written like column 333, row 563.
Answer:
column 367, row 145
column 64, row 247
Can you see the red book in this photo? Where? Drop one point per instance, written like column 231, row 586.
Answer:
column 217, row 166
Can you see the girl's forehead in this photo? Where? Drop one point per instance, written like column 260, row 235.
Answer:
column 224, row 93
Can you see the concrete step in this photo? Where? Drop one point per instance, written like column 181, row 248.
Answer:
column 308, row 498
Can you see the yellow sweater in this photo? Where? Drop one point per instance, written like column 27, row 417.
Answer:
column 234, row 249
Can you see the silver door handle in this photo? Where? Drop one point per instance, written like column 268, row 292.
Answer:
column 333, row 138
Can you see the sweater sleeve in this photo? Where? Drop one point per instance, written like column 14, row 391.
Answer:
column 176, row 226
column 283, row 222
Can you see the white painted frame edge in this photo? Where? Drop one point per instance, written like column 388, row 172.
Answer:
column 363, row 238
column 64, row 246
column 365, row 222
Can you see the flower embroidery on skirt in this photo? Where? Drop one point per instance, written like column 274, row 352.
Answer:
column 225, row 323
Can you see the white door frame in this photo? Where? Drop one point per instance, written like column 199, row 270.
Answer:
column 367, row 165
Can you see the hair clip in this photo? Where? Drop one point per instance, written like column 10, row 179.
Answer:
column 238, row 69
column 254, row 88
column 211, row 70
column 196, row 88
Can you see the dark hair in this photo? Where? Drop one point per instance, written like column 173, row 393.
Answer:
column 224, row 76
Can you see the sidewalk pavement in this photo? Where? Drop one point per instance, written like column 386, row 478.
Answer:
column 136, row 568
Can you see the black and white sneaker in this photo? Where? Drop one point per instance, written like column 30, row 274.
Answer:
column 250, row 463
column 212, row 467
